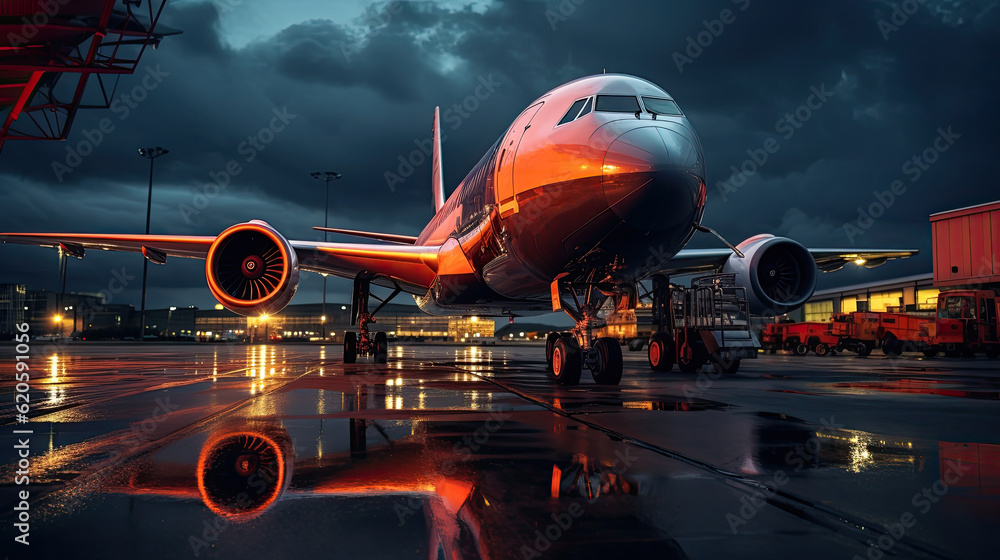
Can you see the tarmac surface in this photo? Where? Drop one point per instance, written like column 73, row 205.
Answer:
column 281, row 451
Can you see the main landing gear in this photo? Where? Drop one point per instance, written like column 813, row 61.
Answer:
column 363, row 343
column 568, row 353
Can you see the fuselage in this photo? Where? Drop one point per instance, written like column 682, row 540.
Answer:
column 597, row 177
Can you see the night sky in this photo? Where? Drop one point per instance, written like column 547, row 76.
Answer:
column 351, row 86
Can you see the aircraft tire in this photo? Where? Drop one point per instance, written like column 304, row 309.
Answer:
column 608, row 369
column 567, row 364
column 350, row 348
column 550, row 343
column 381, row 348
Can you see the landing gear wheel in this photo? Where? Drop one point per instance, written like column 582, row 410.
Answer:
column 607, row 369
column 929, row 352
column 350, row 348
column 567, row 363
column 821, row 349
column 550, row 343
column 723, row 365
column 381, row 348
column 661, row 352
column 891, row 345
column 801, row 350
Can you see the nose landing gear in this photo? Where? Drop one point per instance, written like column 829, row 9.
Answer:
column 568, row 353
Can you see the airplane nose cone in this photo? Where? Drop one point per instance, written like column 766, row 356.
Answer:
column 653, row 179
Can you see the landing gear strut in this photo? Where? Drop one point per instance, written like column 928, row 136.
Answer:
column 363, row 343
column 568, row 353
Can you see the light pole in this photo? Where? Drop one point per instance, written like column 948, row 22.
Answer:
column 151, row 154
column 326, row 177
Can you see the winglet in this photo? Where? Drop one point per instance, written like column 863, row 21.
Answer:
column 437, row 173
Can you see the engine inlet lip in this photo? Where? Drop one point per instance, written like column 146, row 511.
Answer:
column 219, row 244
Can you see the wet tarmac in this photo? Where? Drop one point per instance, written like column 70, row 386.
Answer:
column 280, row 451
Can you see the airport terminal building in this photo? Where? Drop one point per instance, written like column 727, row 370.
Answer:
column 304, row 322
column 87, row 315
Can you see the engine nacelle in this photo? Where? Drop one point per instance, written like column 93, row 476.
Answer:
column 779, row 274
column 252, row 269
column 244, row 469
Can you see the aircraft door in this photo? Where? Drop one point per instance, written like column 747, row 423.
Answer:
column 506, row 201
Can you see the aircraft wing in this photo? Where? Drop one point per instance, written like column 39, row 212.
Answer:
column 689, row 261
column 412, row 265
column 75, row 244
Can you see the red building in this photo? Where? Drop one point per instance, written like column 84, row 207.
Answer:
column 966, row 245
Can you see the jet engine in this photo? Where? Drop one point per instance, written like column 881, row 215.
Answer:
column 252, row 269
column 779, row 274
column 243, row 471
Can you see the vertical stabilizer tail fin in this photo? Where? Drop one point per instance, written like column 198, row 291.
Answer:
column 437, row 172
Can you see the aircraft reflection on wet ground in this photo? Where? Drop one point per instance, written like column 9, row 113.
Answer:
column 220, row 451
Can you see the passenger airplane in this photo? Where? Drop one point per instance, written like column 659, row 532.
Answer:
column 597, row 185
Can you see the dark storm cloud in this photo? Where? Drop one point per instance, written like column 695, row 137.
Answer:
column 359, row 96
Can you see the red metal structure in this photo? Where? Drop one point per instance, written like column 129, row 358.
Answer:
column 967, row 246
column 49, row 49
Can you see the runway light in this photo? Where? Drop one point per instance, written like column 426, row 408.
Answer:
column 859, row 261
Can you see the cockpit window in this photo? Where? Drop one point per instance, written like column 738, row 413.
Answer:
column 586, row 108
column 660, row 106
column 574, row 110
column 617, row 103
